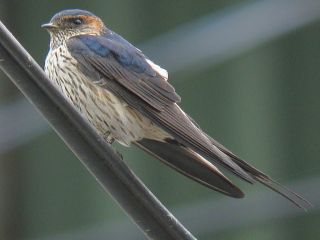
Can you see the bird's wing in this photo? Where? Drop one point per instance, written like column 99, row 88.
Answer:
column 126, row 65
column 125, row 71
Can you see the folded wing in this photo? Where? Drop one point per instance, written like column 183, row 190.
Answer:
column 114, row 64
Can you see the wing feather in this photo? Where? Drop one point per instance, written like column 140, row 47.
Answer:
column 123, row 70
column 126, row 65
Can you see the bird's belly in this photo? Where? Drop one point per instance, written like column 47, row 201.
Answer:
column 111, row 117
column 107, row 114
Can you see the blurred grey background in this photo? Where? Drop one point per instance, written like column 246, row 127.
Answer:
column 248, row 73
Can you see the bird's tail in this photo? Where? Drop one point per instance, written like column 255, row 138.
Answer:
column 191, row 165
column 196, row 167
column 264, row 179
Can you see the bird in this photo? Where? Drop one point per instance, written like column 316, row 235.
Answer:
column 127, row 98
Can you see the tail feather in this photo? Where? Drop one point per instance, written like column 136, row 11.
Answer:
column 264, row 179
column 190, row 164
column 194, row 166
column 285, row 192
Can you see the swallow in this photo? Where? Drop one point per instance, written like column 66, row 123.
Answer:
column 127, row 98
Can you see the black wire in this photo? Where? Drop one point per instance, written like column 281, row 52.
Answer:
column 99, row 158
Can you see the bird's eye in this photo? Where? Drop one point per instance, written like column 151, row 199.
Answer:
column 77, row 21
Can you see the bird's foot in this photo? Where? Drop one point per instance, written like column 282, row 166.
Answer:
column 108, row 137
column 119, row 154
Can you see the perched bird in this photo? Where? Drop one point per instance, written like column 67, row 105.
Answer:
column 128, row 98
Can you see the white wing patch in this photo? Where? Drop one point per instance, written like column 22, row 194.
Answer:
column 162, row 72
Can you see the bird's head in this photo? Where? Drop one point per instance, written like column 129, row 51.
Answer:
column 69, row 23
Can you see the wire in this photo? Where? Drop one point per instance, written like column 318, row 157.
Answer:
column 99, row 158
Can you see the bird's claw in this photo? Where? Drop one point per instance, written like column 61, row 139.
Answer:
column 120, row 155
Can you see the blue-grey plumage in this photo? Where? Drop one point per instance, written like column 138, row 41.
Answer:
column 128, row 98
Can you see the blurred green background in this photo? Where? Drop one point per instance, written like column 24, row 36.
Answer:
column 248, row 73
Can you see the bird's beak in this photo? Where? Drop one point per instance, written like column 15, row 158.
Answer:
column 49, row 26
